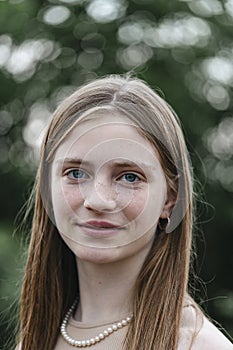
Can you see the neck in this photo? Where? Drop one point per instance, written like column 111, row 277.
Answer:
column 106, row 290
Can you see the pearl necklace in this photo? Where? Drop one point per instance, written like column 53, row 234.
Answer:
column 91, row 341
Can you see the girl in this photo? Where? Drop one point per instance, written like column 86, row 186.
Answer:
column 109, row 256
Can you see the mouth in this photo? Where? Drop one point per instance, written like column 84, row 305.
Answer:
column 101, row 225
column 100, row 228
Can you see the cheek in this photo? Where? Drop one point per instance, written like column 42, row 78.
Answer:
column 136, row 205
column 145, row 206
column 66, row 198
column 72, row 196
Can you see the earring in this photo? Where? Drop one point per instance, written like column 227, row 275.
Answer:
column 85, row 204
column 163, row 224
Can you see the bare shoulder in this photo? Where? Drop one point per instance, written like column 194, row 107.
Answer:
column 210, row 338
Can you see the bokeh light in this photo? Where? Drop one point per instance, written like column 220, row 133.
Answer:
column 56, row 15
column 104, row 11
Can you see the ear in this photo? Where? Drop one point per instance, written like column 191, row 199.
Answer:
column 171, row 200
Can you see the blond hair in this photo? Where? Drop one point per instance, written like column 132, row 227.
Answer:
column 48, row 290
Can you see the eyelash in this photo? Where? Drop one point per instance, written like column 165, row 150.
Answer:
column 72, row 171
column 131, row 173
column 70, row 175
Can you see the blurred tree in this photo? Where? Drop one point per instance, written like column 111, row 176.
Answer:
column 183, row 48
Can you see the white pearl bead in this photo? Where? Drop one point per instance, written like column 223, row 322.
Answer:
column 106, row 333
column 119, row 325
column 114, row 327
column 83, row 343
column 97, row 338
column 110, row 330
column 101, row 336
column 124, row 322
column 92, row 341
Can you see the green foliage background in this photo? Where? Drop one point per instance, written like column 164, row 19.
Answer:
column 182, row 48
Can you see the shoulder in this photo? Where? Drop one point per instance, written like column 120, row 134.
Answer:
column 210, row 338
column 198, row 333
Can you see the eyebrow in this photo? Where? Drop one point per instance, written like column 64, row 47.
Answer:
column 128, row 163
column 121, row 163
column 76, row 161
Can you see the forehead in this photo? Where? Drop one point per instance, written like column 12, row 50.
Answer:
column 107, row 137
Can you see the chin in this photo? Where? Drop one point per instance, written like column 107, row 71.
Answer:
column 97, row 255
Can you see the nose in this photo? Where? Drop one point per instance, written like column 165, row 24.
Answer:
column 100, row 198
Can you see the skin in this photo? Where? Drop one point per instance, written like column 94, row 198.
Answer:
column 107, row 172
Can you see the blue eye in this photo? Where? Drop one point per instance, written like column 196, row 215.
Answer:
column 76, row 174
column 130, row 177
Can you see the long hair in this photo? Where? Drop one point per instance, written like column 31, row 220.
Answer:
column 51, row 284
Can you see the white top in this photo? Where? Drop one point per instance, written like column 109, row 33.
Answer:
column 208, row 336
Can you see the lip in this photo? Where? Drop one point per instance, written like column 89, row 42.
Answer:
column 100, row 228
column 100, row 224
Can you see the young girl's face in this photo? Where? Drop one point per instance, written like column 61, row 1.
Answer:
column 108, row 189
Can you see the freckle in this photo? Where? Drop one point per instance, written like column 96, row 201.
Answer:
column 99, row 283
